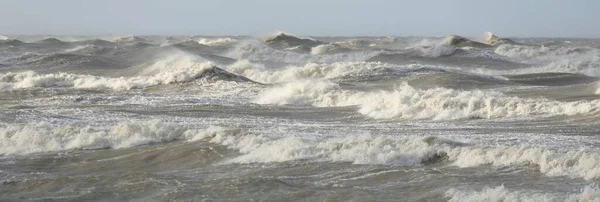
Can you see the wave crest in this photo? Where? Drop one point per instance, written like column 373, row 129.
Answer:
column 43, row 137
column 409, row 151
column 286, row 41
column 173, row 69
column 216, row 41
column 407, row 102
column 307, row 71
column 459, row 41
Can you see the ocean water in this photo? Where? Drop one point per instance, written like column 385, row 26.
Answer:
column 288, row 118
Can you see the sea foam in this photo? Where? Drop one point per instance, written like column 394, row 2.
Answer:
column 43, row 137
column 171, row 69
column 407, row 102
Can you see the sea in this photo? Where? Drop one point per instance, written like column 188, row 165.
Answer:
column 296, row 118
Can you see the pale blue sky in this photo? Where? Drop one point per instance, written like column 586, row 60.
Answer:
column 545, row 18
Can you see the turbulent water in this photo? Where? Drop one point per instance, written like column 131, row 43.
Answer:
column 287, row 118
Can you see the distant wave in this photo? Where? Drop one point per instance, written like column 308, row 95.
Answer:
column 457, row 58
column 434, row 50
column 10, row 42
column 82, row 55
column 95, row 42
column 173, row 69
column 455, row 45
column 50, row 41
column 53, row 41
column 328, row 49
column 255, row 51
column 490, row 41
column 57, row 60
column 495, row 40
column 130, row 39
column 81, row 48
column 584, row 67
column 56, row 43
column 376, row 43
column 543, row 52
column 289, row 42
column 459, row 41
column 190, row 44
column 307, row 71
column 216, row 41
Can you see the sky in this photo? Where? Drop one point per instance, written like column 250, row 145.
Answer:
column 517, row 18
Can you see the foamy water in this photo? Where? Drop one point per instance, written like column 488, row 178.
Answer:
column 288, row 118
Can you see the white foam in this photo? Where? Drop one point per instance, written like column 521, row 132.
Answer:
column 520, row 51
column 172, row 69
column 581, row 163
column 543, row 52
column 437, row 50
column 256, row 51
column 501, row 194
column 306, row 71
column 358, row 149
column 590, row 68
column 43, row 137
column 216, row 41
column 406, row 150
column 129, row 39
column 488, row 36
column 429, row 48
column 4, row 37
column 407, row 102
column 579, row 60
column 323, row 49
column 268, row 146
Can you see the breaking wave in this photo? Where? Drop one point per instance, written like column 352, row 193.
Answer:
column 543, row 52
column 307, row 71
column 407, row 150
column 327, row 49
column 173, row 69
column 585, row 67
column 492, row 39
column 216, row 41
column 43, row 137
column 289, row 42
column 459, row 41
column 266, row 148
column 407, row 102
column 255, row 51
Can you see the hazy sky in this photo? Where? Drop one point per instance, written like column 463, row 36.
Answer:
column 568, row 18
